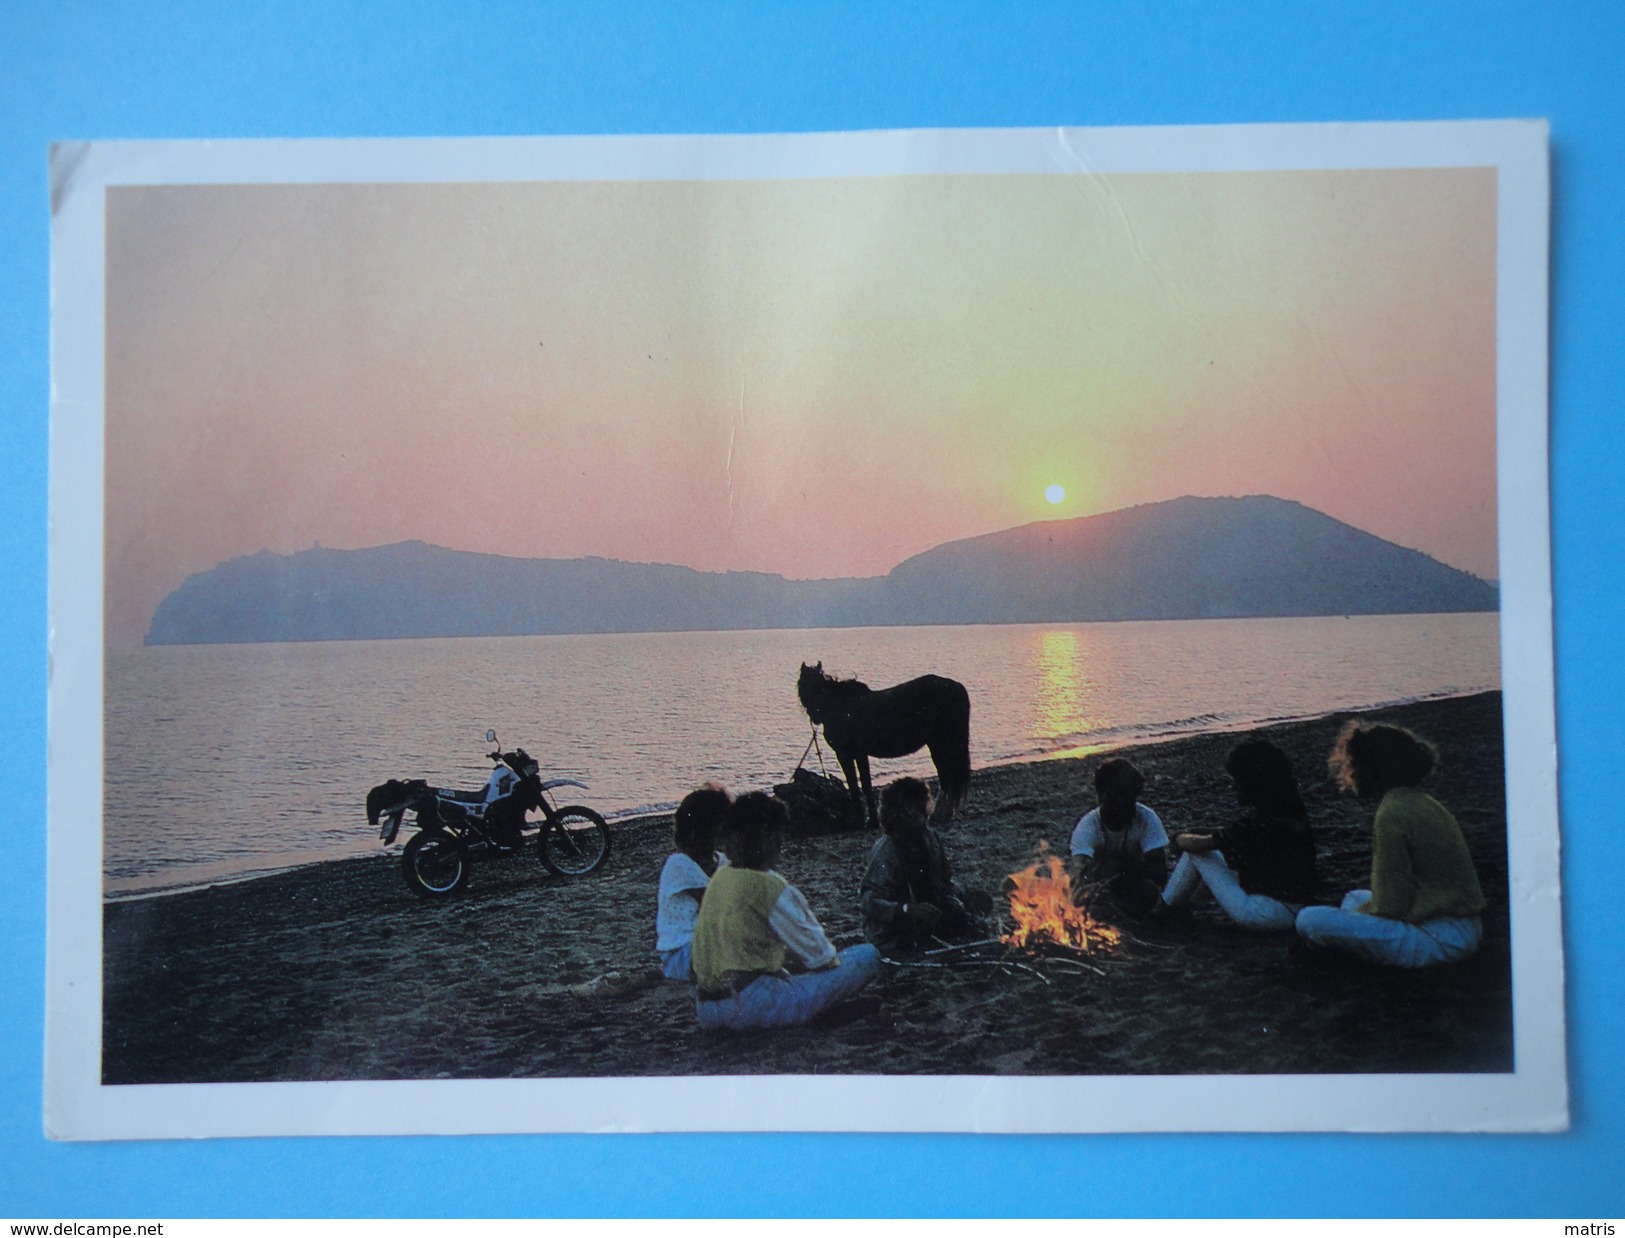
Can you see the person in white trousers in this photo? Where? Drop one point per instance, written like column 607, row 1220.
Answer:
column 1424, row 904
column 1260, row 870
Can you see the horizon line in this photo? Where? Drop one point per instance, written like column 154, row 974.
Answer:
column 582, row 558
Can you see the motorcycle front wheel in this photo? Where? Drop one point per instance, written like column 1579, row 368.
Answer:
column 434, row 866
column 574, row 843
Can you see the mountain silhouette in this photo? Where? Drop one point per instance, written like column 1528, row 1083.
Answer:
column 1188, row 558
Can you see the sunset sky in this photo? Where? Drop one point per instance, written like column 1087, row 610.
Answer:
column 816, row 377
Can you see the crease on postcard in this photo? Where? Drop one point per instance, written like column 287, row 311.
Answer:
column 1074, row 159
column 65, row 161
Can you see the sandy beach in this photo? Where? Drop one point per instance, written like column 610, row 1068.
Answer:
column 338, row 972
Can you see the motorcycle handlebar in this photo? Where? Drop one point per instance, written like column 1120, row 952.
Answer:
column 512, row 759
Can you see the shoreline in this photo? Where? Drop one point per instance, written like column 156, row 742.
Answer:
column 336, row 971
column 143, row 643
column 636, row 819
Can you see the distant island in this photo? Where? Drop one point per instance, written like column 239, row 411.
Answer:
column 1187, row 558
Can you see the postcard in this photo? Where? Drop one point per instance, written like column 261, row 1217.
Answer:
column 989, row 631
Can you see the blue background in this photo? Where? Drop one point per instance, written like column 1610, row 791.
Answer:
column 408, row 68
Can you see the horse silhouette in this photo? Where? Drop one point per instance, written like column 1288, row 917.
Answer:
column 862, row 722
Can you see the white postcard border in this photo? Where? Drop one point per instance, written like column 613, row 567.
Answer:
column 78, row 1106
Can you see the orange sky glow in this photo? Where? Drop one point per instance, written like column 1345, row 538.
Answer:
column 815, row 377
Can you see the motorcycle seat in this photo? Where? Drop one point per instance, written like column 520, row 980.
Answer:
column 462, row 797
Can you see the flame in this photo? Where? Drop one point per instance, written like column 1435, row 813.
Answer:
column 1042, row 907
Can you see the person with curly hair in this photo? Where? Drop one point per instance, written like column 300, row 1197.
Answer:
column 1424, row 904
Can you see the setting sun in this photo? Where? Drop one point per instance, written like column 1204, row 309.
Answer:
column 1054, row 493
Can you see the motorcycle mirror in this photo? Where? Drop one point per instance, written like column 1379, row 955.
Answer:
column 490, row 737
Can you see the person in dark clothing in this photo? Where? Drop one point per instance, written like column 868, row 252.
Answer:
column 1261, row 869
column 908, row 895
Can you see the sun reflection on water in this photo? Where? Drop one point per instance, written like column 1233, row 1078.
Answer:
column 1063, row 685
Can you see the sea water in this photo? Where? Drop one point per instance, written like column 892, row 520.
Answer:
column 224, row 761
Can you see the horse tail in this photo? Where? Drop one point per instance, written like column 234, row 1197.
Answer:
column 950, row 752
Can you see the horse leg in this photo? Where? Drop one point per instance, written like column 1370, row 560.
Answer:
column 850, row 770
column 952, row 759
column 868, row 789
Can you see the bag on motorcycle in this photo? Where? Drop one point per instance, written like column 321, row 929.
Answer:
column 388, row 796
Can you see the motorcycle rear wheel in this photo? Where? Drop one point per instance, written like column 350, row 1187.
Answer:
column 574, row 843
column 435, row 866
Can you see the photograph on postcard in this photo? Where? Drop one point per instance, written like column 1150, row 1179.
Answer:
column 1020, row 624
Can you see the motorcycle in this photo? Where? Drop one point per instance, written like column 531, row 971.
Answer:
column 456, row 827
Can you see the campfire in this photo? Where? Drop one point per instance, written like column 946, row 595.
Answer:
column 1041, row 903
column 1050, row 930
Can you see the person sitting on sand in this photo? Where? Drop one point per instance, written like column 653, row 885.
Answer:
column 1120, row 847
column 1261, row 870
column 1424, row 902
column 686, row 874
column 908, row 896
column 761, row 959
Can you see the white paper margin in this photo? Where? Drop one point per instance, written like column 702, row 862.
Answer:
column 77, row 1106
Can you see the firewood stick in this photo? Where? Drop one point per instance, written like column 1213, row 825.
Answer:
column 1023, row 967
column 970, row 945
column 1140, row 941
column 999, row 963
column 1078, row 963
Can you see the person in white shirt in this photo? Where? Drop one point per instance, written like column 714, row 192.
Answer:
column 686, row 874
column 1120, row 847
column 761, row 959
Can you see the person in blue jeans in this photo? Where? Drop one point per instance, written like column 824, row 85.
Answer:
column 761, row 959
column 1425, row 904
